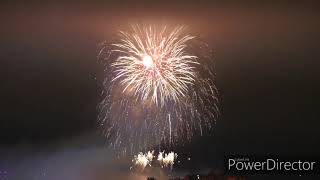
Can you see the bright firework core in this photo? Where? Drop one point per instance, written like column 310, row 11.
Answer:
column 147, row 61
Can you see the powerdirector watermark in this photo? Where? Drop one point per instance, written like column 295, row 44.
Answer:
column 242, row 165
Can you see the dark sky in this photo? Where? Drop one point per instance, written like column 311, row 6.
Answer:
column 266, row 59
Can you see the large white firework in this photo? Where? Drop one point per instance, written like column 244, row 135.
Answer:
column 154, row 64
column 158, row 89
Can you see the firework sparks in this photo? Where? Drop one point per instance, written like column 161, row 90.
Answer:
column 158, row 89
column 142, row 160
column 150, row 155
column 166, row 160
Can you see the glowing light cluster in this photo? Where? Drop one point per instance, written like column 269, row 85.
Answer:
column 168, row 159
column 147, row 61
column 142, row 160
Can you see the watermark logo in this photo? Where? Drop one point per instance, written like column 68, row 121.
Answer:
column 272, row 164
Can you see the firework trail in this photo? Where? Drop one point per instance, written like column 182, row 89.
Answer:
column 158, row 89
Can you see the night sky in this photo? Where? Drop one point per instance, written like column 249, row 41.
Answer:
column 266, row 57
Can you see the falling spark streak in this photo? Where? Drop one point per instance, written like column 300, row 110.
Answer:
column 159, row 89
column 169, row 127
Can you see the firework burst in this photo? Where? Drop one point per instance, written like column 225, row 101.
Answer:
column 158, row 89
column 168, row 159
column 154, row 65
column 142, row 160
